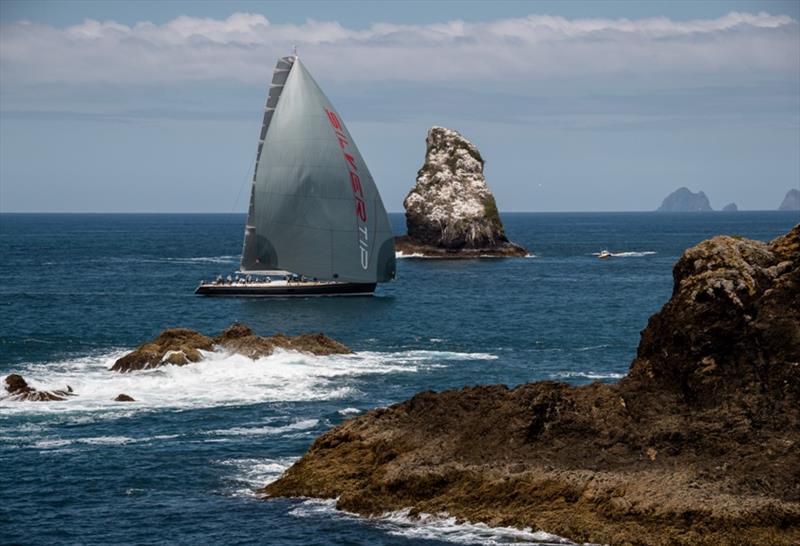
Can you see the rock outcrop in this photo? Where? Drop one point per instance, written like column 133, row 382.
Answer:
column 730, row 207
column 181, row 346
column 451, row 211
column 18, row 389
column 791, row 201
column 699, row 444
column 124, row 398
column 684, row 200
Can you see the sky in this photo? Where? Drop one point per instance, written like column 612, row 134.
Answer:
column 576, row 106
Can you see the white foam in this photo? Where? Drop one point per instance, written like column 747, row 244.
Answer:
column 588, row 375
column 96, row 440
column 348, row 411
column 591, row 348
column 249, row 475
column 302, row 425
column 442, row 527
column 221, row 379
column 629, row 254
column 400, row 254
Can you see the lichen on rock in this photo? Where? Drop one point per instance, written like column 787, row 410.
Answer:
column 451, row 209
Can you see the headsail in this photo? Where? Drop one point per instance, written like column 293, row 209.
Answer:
column 315, row 209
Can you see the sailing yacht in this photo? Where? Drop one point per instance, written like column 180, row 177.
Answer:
column 316, row 225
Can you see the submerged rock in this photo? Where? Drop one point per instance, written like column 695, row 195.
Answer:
column 451, row 211
column 791, row 201
column 181, row 346
column 684, row 200
column 19, row 389
column 698, row 444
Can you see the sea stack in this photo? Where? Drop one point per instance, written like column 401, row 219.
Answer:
column 450, row 211
column 685, row 200
column 791, row 201
column 697, row 445
column 730, row 207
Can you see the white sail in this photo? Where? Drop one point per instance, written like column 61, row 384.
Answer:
column 314, row 208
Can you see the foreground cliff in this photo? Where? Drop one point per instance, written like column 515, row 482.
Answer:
column 698, row 444
column 450, row 211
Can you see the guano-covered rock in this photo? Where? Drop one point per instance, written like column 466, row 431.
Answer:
column 451, row 211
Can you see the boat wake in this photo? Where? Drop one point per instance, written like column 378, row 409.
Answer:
column 221, row 379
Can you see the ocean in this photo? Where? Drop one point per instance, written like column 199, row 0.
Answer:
column 181, row 465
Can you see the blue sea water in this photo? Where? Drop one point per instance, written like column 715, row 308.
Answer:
column 180, row 466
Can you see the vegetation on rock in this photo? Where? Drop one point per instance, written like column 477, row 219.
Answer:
column 451, row 209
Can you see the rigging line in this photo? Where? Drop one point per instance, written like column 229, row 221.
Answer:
column 250, row 167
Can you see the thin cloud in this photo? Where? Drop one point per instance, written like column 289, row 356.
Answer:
column 243, row 47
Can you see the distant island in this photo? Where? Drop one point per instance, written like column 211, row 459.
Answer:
column 684, row 200
column 791, row 201
column 730, row 207
column 450, row 211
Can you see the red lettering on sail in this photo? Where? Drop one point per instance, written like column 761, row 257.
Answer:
column 361, row 209
column 333, row 119
column 350, row 159
column 355, row 184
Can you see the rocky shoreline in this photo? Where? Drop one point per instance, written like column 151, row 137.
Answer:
column 698, row 444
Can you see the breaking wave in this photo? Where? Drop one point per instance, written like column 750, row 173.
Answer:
column 631, row 254
column 587, row 375
column 248, row 475
column 221, row 379
column 433, row 527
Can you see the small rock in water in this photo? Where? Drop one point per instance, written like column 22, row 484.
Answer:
column 17, row 387
column 181, row 346
column 124, row 398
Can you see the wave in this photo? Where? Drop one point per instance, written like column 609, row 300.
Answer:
column 302, row 425
column 439, row 527
column 629, row 254
column 227, row 259
column 221, row 379
column 419, row 256
column 249, row 475
column 590, row 348
column 587, row 375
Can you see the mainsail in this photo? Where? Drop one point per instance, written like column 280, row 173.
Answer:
column 314, row 207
